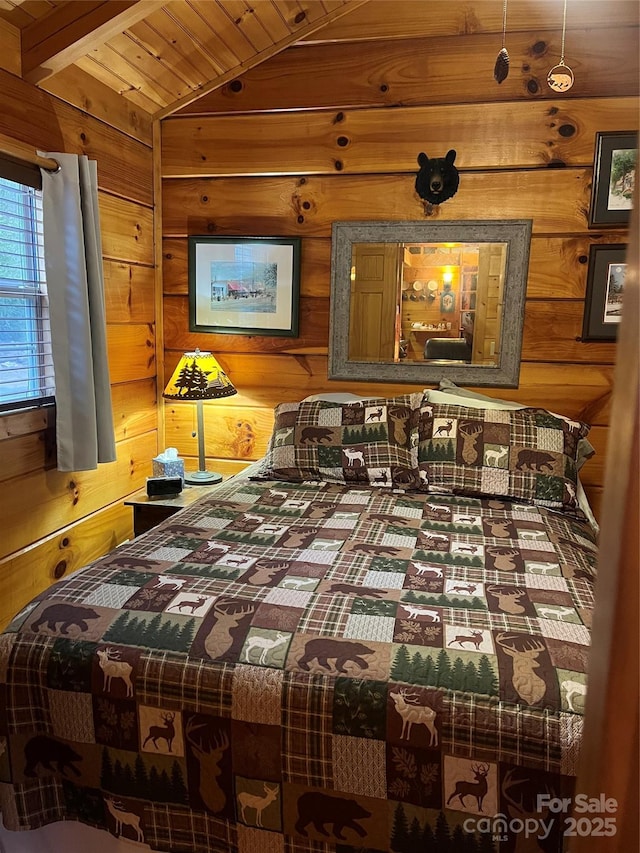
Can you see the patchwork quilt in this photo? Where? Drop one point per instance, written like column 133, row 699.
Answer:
column 299, row 667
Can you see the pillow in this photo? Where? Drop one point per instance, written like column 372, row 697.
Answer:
column 448, row 387
column 449, row 397
column 585, row 506
column 524, row 454
column 452, row 394
column 334, row 397
column 372, row 441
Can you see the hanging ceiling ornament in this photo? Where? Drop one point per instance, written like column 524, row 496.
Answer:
column 501, row 68
column 560, row 77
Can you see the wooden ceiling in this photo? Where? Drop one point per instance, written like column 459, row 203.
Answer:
column 159, row 55
column 132, row 61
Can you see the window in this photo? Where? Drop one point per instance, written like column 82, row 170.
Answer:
column 26, row 367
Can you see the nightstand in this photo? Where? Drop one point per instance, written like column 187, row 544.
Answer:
column 147, row 512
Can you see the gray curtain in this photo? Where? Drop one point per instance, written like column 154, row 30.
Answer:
column 75, row 282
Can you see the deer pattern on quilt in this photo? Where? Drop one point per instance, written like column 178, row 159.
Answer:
column 312, row 663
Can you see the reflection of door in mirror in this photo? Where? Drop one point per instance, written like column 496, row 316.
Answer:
column 374, row 333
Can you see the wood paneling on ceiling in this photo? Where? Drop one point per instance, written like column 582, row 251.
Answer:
column 158, row 55
column 387, row 19
column 130, row 60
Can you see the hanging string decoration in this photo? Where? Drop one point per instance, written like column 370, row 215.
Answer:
column 501, row 68
column 560, row 77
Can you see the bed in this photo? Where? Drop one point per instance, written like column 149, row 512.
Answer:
column 374, row 638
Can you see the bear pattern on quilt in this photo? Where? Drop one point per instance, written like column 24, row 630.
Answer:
column 293, row 666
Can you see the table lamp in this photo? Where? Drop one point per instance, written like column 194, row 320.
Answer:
column 198, row 377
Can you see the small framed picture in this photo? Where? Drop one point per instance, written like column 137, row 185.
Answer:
column 614, row 175
column 244, row 285
column 447, row 300
column 605, row 289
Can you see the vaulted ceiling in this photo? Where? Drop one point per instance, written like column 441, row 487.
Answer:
column 132, row 61
column 158, row 55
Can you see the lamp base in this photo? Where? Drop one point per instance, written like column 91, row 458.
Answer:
column 202, row 478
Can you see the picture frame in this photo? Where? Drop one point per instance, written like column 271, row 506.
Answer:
column 447, row 300
column 604, row 293
column 614, row 168
column 244, row 285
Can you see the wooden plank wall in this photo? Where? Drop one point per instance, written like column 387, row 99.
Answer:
column 331, row 131
column 54, row 523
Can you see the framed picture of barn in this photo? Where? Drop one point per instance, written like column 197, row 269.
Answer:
column 244, row 285
column 614, row 175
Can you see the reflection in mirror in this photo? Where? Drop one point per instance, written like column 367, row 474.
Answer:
column 416, row 302
column 434, row 301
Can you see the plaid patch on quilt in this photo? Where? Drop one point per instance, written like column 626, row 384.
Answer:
column 369, row 442
column 523, row 454
column 306, row 667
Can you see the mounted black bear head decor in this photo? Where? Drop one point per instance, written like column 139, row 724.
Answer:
column 437, row 179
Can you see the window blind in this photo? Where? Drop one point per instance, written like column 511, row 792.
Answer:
column 26, row 366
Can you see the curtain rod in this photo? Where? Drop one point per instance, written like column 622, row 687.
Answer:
column 25, row 155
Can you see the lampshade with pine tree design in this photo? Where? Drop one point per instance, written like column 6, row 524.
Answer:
column 198, row 376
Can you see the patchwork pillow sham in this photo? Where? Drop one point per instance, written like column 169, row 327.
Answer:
column 527, row 454
column 453, row 394
column 372, row 442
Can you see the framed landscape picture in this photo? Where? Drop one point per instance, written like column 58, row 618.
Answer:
column 604, row 295
column 244, row 285
column 614, row 175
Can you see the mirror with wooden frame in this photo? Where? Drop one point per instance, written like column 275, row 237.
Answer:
column 418, row 301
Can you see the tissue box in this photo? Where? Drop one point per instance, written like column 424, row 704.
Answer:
column 168, row 467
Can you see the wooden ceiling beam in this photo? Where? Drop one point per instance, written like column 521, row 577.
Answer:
column 10, row 59
column 71, row 31
column 88, row 94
